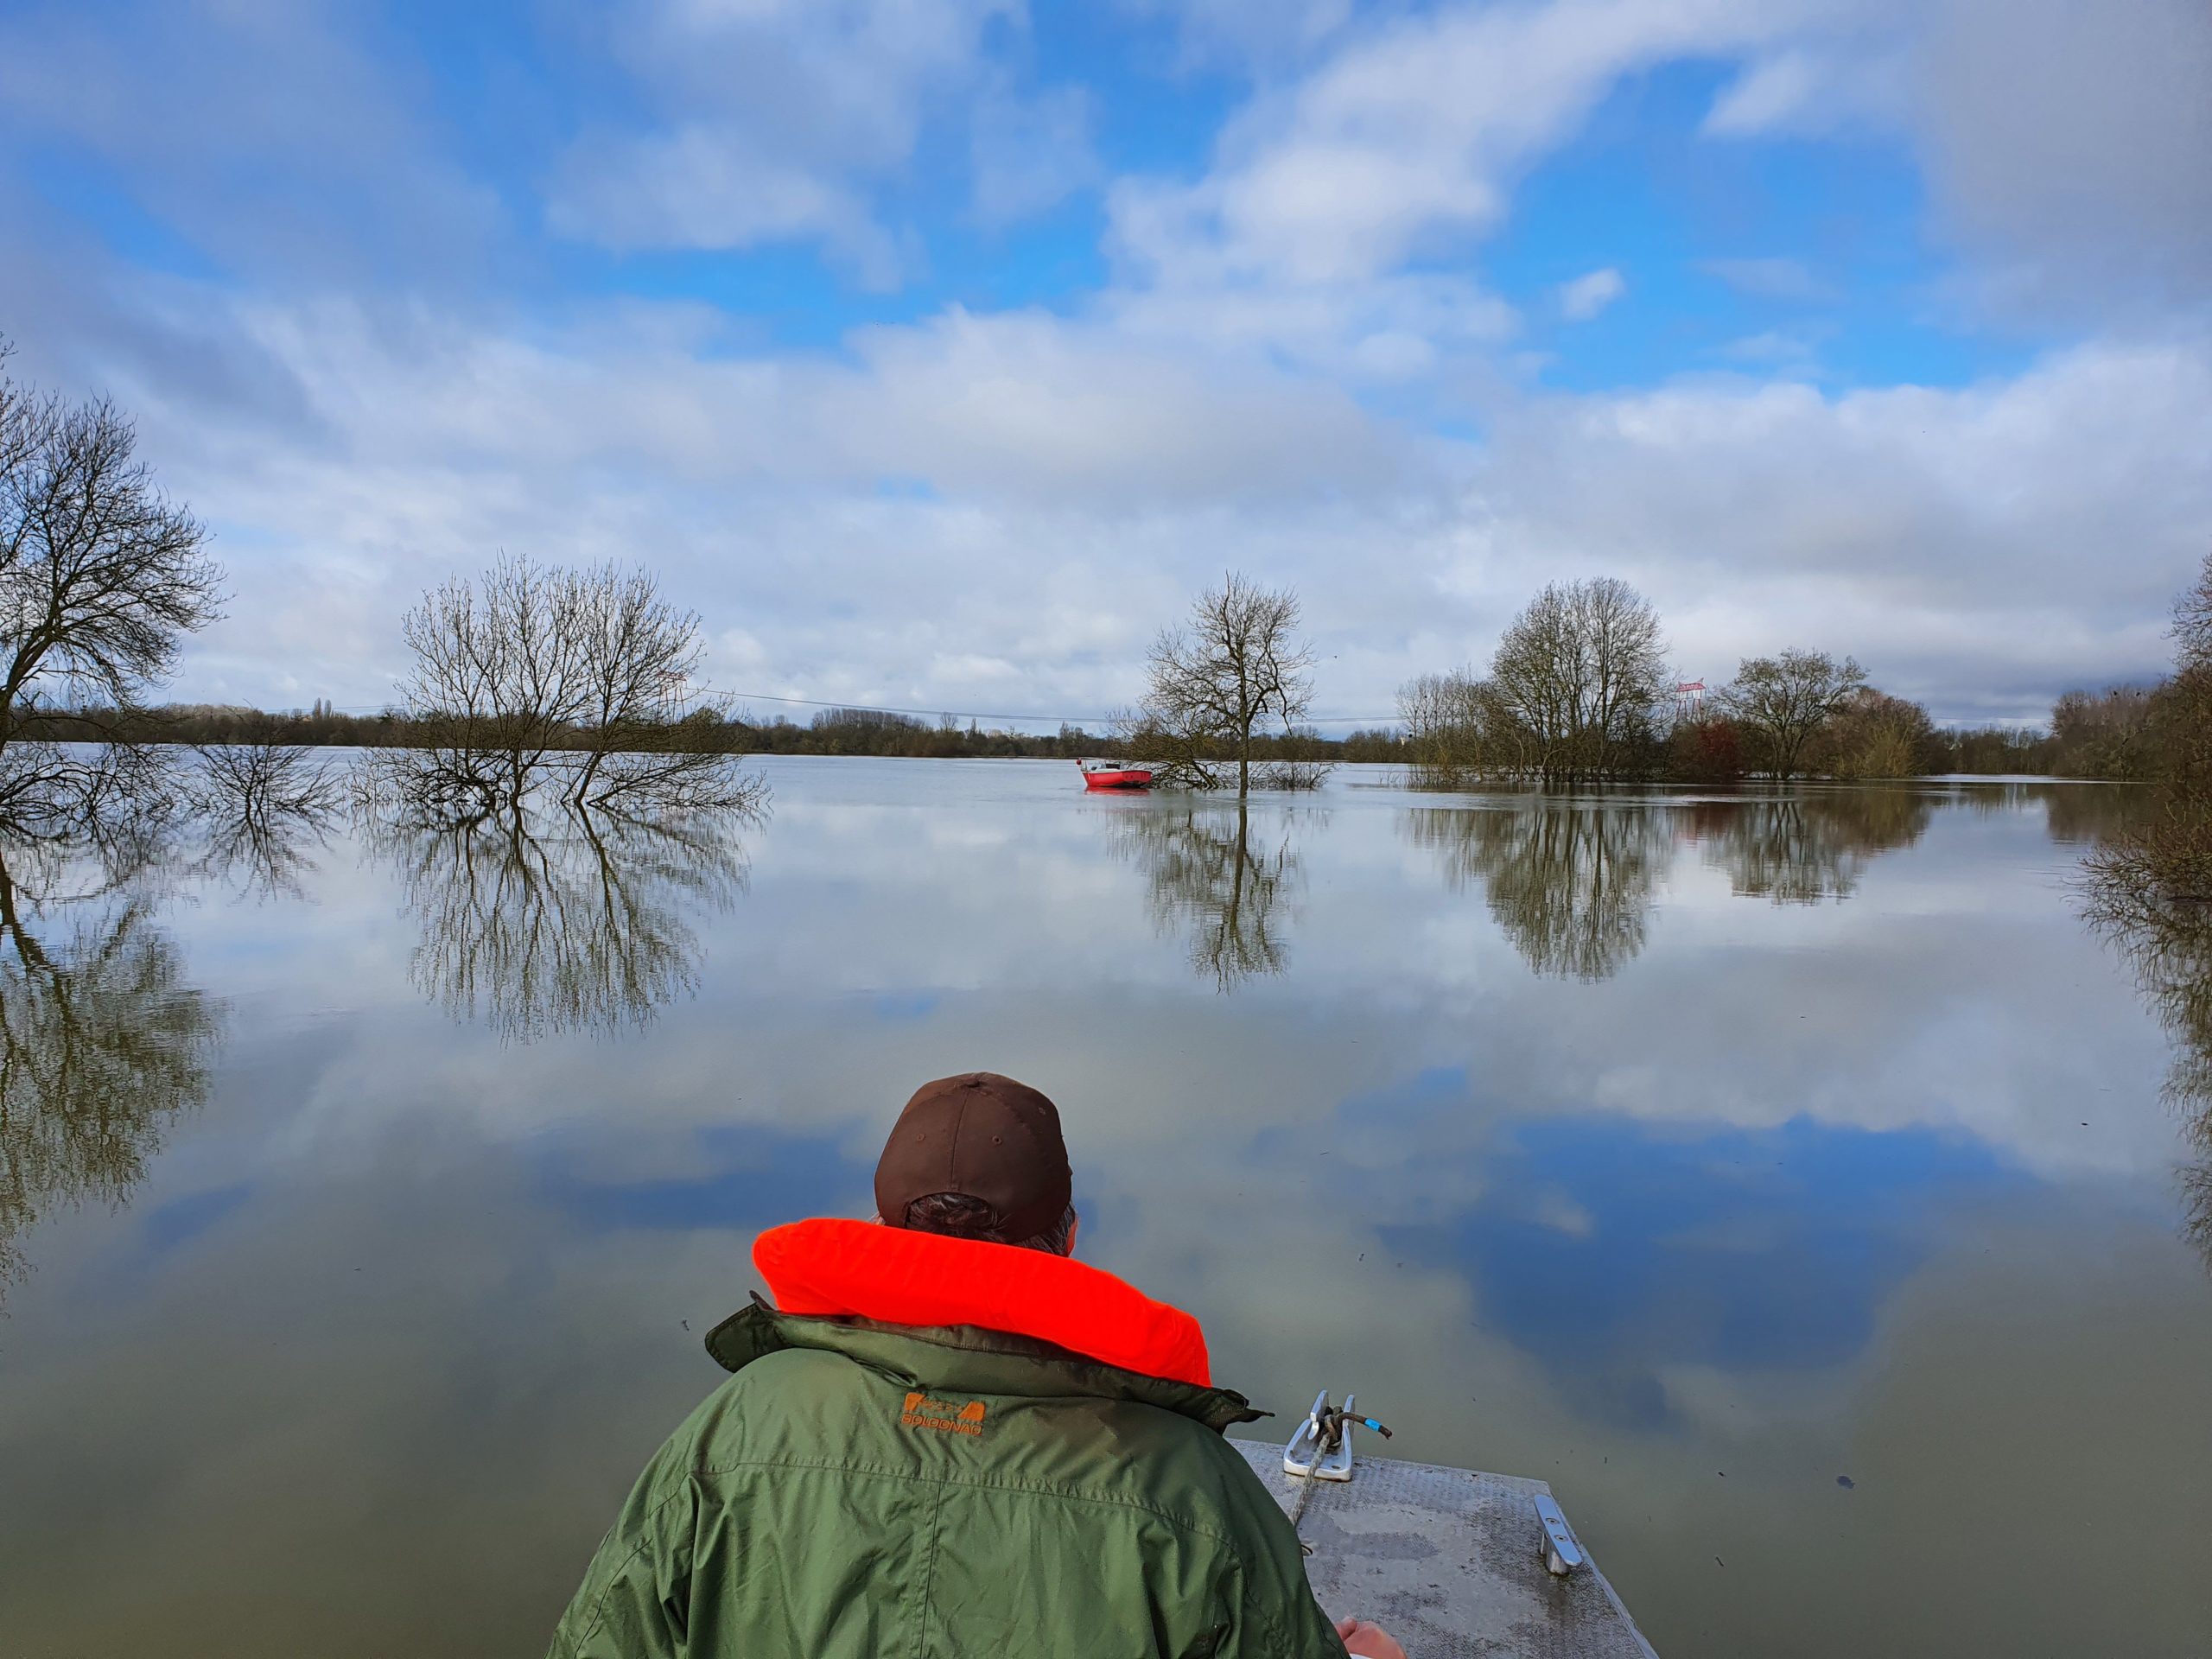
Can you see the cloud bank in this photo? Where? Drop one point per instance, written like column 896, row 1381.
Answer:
column 371, row 347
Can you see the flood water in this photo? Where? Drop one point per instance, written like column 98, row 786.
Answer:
column 1795, row 1184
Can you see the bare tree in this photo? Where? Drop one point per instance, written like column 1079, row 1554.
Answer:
column 1460, row 731
column 494, row 685
column 2183, row 719
column 2192, row 628
column 576, row 683
column 1582, row 669
column 101, row 576
column 1785, row 700
column 1237, row 662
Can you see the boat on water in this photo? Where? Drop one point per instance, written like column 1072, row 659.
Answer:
column 1449, row 1561
column 1115, row 774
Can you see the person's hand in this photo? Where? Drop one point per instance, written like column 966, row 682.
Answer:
column 1368, row 1641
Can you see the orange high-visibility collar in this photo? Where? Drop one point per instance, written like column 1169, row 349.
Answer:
column 897, row 1277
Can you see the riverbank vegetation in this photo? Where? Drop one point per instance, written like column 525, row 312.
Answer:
column 1577, row 689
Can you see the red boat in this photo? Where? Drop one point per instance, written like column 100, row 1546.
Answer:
column 1113, row 774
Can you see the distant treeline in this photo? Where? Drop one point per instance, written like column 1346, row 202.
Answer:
column 2114, row 734
column 834, row 731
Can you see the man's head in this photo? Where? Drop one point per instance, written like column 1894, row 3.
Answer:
column 979, row 1156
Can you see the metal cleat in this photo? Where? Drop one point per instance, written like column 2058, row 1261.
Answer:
column 1560, row 1549
column 1321, row 1449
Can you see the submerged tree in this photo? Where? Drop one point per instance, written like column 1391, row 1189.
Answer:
column 1460, row 731
column 1582, row 670
column 1783, row 701
column 577, row 685
column 1237, row 662
column 1875, row 735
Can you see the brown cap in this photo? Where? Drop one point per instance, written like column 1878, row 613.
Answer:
column 987, row 1136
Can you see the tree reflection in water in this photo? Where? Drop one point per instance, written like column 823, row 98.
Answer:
column 570, row 920
column 262, row 811
column 1807, row 846
column 1207, row 873
column 1570, row 880
column 2094, row 814
column 102, row 1044
column 2167, row 938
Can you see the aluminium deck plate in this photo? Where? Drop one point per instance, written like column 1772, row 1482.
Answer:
column 1449, row 1562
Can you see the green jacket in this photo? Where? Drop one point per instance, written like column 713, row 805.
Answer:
column 859, row 1490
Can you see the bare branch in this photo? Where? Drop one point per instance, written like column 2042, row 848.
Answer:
column 575, row 684
column 1237, row 662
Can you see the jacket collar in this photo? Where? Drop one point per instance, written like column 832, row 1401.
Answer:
column 954, row 1314
column 967, row 1359
column 897, row 1276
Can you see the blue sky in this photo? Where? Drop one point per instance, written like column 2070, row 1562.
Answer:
column 936, row 352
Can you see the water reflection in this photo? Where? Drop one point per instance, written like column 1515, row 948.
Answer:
column 2167, row 939
column 567, row 920
column 2091, row 815
column 1616, row 1254
column 1801, row 1193
column 1570, row 881
column 102, row 1043
column 1803, row 848
column 261, row 813
column 1209, row 873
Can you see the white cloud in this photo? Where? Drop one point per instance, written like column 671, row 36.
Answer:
column 1398, row 148
column 2074, row 140
column 267, row 136
column 772, row 120
column 1258, row 33
column 1029, row 154
column 907, row 520
column 2064, row 145
column 1585, row 297
column 1782, row 90
column 973, row 503
column 1771, row 279
column 704, row 186
column 1779, row 350
column 1971, row 546
column 1408, row 138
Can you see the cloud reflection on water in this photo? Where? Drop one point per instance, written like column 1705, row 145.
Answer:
column 1712, row 1210
column 1614, row 1255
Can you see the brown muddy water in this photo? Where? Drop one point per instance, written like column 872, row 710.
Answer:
column 1794, row 1182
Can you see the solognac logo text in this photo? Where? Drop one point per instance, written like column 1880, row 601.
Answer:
column 922, row 1412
